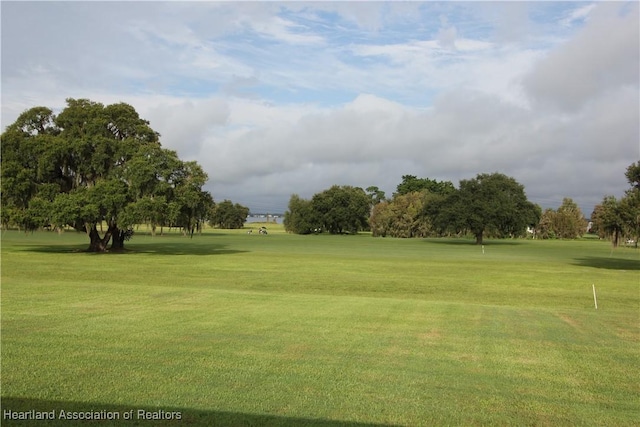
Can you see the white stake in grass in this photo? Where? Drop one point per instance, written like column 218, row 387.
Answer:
column 595, row 300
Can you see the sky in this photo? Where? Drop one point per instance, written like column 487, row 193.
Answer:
column 281, row 98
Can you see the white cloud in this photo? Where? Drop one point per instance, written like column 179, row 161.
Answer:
column 285, row 31
column 578, row 14
column 447, row 34
column 184, row 125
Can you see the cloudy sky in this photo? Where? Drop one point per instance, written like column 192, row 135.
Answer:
column 276, row 98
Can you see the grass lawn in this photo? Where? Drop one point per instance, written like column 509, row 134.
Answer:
column 229, row 328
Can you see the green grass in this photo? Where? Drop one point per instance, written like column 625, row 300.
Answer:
column 237, row 329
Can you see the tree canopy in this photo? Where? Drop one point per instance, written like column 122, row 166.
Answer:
column 403, row 215
column 375, row 195
column 337, row 210
column 95, row 164
column 567, row 222
column 411, row 183
column 300, row 218
column 228, row 215
column 342, row 209
column 489, row 202
column 617, row 218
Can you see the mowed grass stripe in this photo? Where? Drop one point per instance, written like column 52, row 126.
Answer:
column 283, row 339
column 254, row 352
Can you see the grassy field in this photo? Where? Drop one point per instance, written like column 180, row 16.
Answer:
column 229, row 328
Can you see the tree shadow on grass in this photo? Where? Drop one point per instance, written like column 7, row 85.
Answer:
column 139, row 416
column 609, row 263
column 179, row 248
column 471, row 242
column 160, row 248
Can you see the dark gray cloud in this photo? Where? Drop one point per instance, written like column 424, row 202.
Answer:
column 603, row 56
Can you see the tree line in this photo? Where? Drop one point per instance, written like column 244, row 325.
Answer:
column 493, row 205
column 94, row 164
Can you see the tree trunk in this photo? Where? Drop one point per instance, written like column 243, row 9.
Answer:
column 479, row 237
column 97, row 243
column 117, row 243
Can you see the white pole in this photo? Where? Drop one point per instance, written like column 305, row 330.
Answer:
column 483, row 249
column 595, row 301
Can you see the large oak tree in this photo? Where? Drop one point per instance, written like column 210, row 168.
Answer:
column 93, row 165
column 489, row 202
column 342, row 209
column 338, row 210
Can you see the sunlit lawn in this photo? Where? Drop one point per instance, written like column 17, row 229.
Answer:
column 236, row 329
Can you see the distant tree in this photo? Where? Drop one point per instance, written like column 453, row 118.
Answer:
column 633, row 175
column 608, row 220
column 617, row 219
column 94, row 164
column 404, row 215
column 630, row 207
column 631, row 202
column 381, row 219
column 568, row 221
column 228, row 215
column 401, row 217
column 411, row 184
column 408, row 219
column 546, row 225
column 300, row 217
column 375, row 195
column 490, row 202
column 341, row 209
